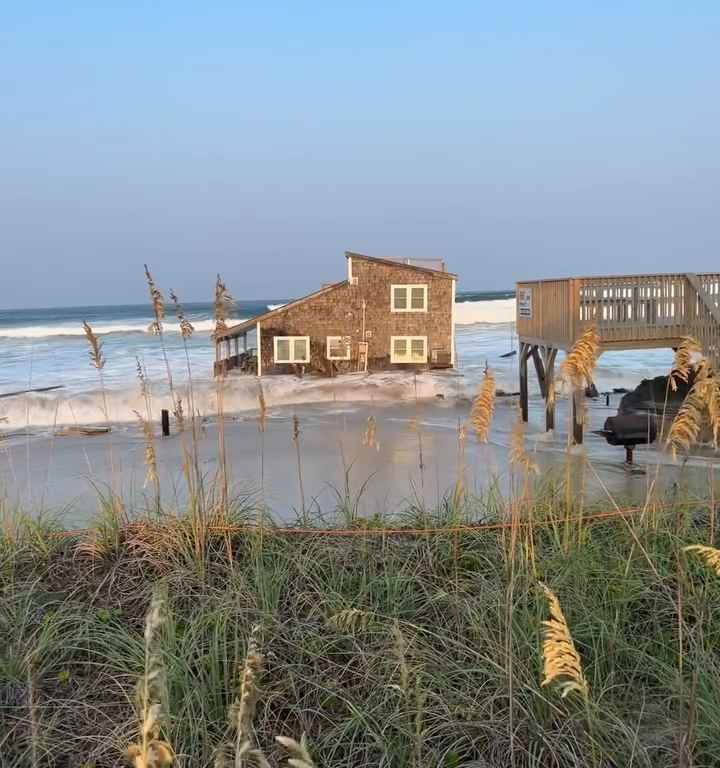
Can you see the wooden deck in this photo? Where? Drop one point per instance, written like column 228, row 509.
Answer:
column 629, row 312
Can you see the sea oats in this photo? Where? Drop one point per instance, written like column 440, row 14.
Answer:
column 186, row 327
column 262, row 408
column 151, row 751
column 578, row 366
column 142, row 379
column 685, row 428
column 158, row 304
column 709, row 555
column 350, row 619
column 97, row 358
column 299, row 754
column 223, row 306
column 483, row 407
column 682, row 363
column 518, row 454
column 561, row 661
column 151, row 475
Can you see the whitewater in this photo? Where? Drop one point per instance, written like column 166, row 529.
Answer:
column 46, row 348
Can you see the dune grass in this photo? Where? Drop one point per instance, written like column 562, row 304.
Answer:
column 384, row 650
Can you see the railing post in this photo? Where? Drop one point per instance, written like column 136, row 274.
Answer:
column 574, row 304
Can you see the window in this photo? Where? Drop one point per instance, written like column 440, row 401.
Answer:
column 291, row 349
column 408, row 298
column 408, row 349
column 338, row 348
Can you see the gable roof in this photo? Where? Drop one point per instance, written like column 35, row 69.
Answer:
column 247, row 325
column 407, row 263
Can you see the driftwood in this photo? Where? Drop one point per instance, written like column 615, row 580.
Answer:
column 81, row 431
column 28, row 391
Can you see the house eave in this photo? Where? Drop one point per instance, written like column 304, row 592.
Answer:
column 248, row 325
column 399, row 263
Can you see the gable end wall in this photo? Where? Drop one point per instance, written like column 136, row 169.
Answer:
column 339, row 312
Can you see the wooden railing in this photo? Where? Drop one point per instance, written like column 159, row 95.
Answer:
column 628, row 311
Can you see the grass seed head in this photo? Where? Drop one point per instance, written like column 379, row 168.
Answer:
column 685, row 428
column 483, row 407
column 186, row 327
column 561, row 661
column 682, row 363
column 158, row 304
column 151, row 751
column 97, row 359
column 299, row 754
column 243, row 712
column 151, row 474
column 578, row 366
column 223, row 306
column 709, row 555
column 518, row 454
column 262, row 408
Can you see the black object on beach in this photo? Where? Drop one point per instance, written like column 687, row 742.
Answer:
column 510, row 354
column 629, row 431
column 165, row 422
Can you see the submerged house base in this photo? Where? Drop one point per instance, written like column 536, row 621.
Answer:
column 387, row 314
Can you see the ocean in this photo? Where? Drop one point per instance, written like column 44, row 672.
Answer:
column 46, row 348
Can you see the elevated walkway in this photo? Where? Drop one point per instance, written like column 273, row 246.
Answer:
column 628, row 311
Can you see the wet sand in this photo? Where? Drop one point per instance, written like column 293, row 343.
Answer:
column 60, row 475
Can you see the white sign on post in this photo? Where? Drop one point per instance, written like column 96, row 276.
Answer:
column 524, row 303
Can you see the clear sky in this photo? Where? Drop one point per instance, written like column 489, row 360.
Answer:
column 514, row 140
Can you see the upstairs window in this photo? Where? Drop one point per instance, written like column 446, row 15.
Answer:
column 408, row 349
column 291, row 349
column 338, row 348
column 408, row 298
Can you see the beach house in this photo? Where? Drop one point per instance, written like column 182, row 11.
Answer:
column 386, row 314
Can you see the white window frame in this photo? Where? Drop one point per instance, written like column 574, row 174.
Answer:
column 407, row 358
column 292, row 360
column 408, row 297
column 346, row 356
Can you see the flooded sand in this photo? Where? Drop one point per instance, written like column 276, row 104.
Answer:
column 415, row 461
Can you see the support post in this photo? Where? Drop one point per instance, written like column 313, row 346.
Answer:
column 524, row 380
column 549, row 354
column 577, row 415
column 539, row 369
column 245, row 341
column 165, row 422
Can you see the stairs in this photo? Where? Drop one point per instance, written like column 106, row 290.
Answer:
column 703, row 314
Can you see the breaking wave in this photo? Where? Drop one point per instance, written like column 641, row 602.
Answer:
column 102, row 329
column 240, row 394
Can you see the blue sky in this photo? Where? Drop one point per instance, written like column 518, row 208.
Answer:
column 515, row 140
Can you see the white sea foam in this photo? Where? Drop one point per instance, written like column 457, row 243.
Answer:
column 103, row 329
column 240, row 394
column 492, row 312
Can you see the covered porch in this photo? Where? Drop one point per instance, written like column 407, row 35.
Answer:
column 236, row 349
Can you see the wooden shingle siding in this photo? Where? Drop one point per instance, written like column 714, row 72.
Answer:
column 339, row 312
